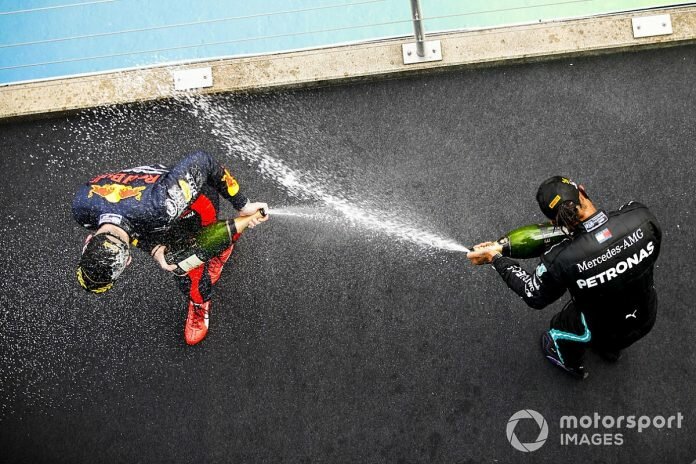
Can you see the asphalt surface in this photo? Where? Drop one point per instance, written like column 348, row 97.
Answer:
column 335, row 342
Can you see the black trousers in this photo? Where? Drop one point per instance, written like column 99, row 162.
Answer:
column 574, row 332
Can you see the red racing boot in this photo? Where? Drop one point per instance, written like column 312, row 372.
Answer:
column 197, row 322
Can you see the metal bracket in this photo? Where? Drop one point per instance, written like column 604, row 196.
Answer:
column 432, row 49
column 187, row 79
column 650, row 26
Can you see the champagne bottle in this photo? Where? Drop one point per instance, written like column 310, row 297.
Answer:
column 209, row 242
column 529, row 241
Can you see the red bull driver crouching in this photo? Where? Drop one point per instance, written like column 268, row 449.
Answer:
column 606, row 263
column 149, row 207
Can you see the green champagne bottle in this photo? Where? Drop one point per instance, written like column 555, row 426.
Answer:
column 209, row 242
column 529, row 241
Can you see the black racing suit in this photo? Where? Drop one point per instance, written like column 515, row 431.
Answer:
column 157, row 205
column 607, row 266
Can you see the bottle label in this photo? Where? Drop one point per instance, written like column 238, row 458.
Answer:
column 549, row 233
column 192, row 262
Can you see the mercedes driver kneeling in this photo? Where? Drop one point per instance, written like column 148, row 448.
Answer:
column 606, row 263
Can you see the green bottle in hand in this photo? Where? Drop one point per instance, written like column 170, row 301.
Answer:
column 209, row 242
column 528, row 241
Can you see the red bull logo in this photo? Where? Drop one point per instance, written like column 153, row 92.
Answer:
column 113, row 193
column 232, row 185
column 127, row 178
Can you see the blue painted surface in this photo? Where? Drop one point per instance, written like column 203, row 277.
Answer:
column 42, row 39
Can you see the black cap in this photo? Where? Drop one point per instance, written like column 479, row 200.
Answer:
column 103, row 260
column 555, row 191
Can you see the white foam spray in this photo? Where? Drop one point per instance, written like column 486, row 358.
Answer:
column 227, row 127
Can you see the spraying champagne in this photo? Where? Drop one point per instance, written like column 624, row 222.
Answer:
column 528, row 241
column 209, row 242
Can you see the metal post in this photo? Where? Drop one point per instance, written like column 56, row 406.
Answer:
column 421, row 51
column 418, row 27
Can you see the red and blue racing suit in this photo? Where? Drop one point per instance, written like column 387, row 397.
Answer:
column 157, row 205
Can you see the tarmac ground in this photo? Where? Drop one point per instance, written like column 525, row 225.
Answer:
column 332, row 341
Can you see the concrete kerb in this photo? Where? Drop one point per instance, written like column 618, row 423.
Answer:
column 318, row 67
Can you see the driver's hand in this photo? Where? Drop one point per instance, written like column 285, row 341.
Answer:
column 483, row 245
column 158, row 254
column 251, row 208
column 483, row 253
